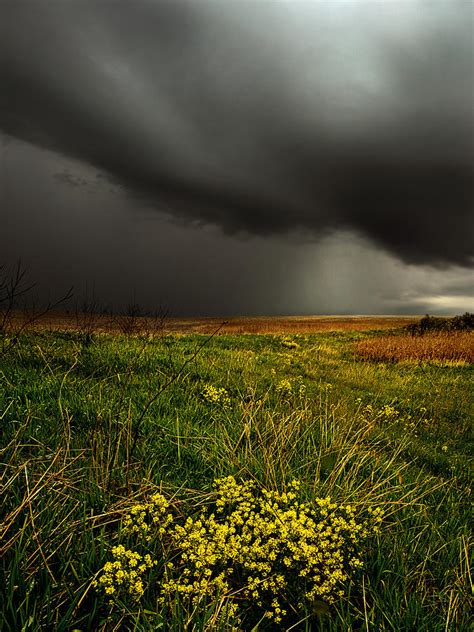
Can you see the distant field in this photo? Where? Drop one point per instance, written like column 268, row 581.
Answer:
column 235, row 325
column 111, row 440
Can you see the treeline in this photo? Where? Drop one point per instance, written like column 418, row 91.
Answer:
column 428, row 324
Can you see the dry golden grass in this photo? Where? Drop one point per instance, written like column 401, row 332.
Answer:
column 437, row 347
column 71, row 321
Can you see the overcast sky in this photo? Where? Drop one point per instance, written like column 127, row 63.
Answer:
column 234, row 157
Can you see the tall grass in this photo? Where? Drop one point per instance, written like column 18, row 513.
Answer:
column 432, row 347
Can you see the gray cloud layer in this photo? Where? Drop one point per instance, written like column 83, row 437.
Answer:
column 260, row 117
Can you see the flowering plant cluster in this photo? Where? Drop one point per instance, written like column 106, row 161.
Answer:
column 287, row 388
column 255, row 551
column 215, row 395
column 148, row 519
column 125, row 573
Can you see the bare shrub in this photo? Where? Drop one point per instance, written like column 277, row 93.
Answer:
column 16, row 313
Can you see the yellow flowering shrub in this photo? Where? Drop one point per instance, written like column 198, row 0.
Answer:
column 287, row 388
column 215, row 395
column 143, row 517
column 124, row 573
column 264, row 554
column 389, row 411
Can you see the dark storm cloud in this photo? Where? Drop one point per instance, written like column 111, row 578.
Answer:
column 260, row 117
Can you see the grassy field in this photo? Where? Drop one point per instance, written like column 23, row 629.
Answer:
column 133, row 323
column 97, row 427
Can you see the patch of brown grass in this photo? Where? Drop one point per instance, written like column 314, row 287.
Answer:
column 439, row 347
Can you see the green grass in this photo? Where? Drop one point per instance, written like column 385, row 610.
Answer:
column 87, row 429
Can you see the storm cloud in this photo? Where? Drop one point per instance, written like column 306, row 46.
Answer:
column 260, row 118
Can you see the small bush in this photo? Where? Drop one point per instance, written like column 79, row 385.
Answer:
column 430, row 324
